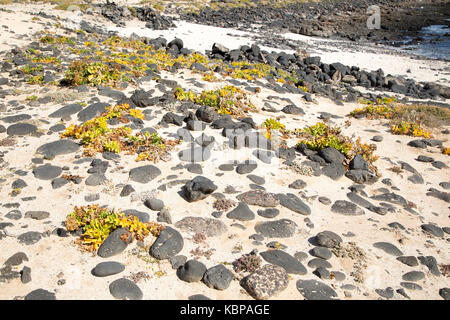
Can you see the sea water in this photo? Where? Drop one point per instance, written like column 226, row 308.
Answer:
column 435, row 44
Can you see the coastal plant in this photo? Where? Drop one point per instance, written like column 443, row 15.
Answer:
column 320, row 136
column 97, row 223
column 272, row 124
column 97, row 136
column 82, row 72
column 405, row 119
column 226, row 100
column 410, row 129
column 28, row 69
column 38, row 79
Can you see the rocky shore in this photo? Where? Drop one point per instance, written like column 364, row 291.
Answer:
column 330, row 18
column 138, row 168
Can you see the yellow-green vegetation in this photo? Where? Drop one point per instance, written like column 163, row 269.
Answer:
column 15, row 192
column 252, row 71
column 56, row 40
column 97, row 223
column 381, row 109
column 446, row 151
column 405, row 119
column 28, row 69
column 117, row 59
column 410, row 129
column 97, row 136
column 39, row 79
column 32, row 98
column 93, row 73
column 272, row 124
column 226, row 100
column 321, row 136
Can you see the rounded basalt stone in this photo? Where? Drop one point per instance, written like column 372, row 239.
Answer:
column 389, row 248
column 198, row 297
column 207, row 226
column 40, row 294
column 154, row 204
column 107, row 268
column 409, row 260
column 315, row 290
column 21, row 129
column 433, row 229
column 413, row 276
column 218, row 277
column 16, row 259
column 284, row 260
column 125, row 289
column 144, row 174
column 115, row 243
column 318, row 262
column 14, row 215
column 168, row 244
column 30, row 237
column 47, row 172
column 445, row 293
column 127, row 190
column 346, row 208
column 269, row 213
column 259, row 198
column 95, row 179
column 142, row 216
column 283, row 228
column 328, row 239
column 92, row 111
column 245, row 168
column 191, row 271
column 321, row 252
column 66, row 111
column 242, row 213
column 410, row 285
column 58, row 147
column 37, row 215
column 198, row 188
column 294, row 203
column 19, row 183
column 297, row 184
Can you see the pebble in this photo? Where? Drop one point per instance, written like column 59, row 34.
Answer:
column 413, row 276
column 321, row 252
column 283, row 228
column 284, row 260
column 218, row 277
column 207, row 226
column 315, row 290
column 318, row 262
column 389, row 248
column 40, row 294
column 242, row 213
column 113, row 244
column 191, row 271
column 168, row 244
column 125, row 289
column 107, row 268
